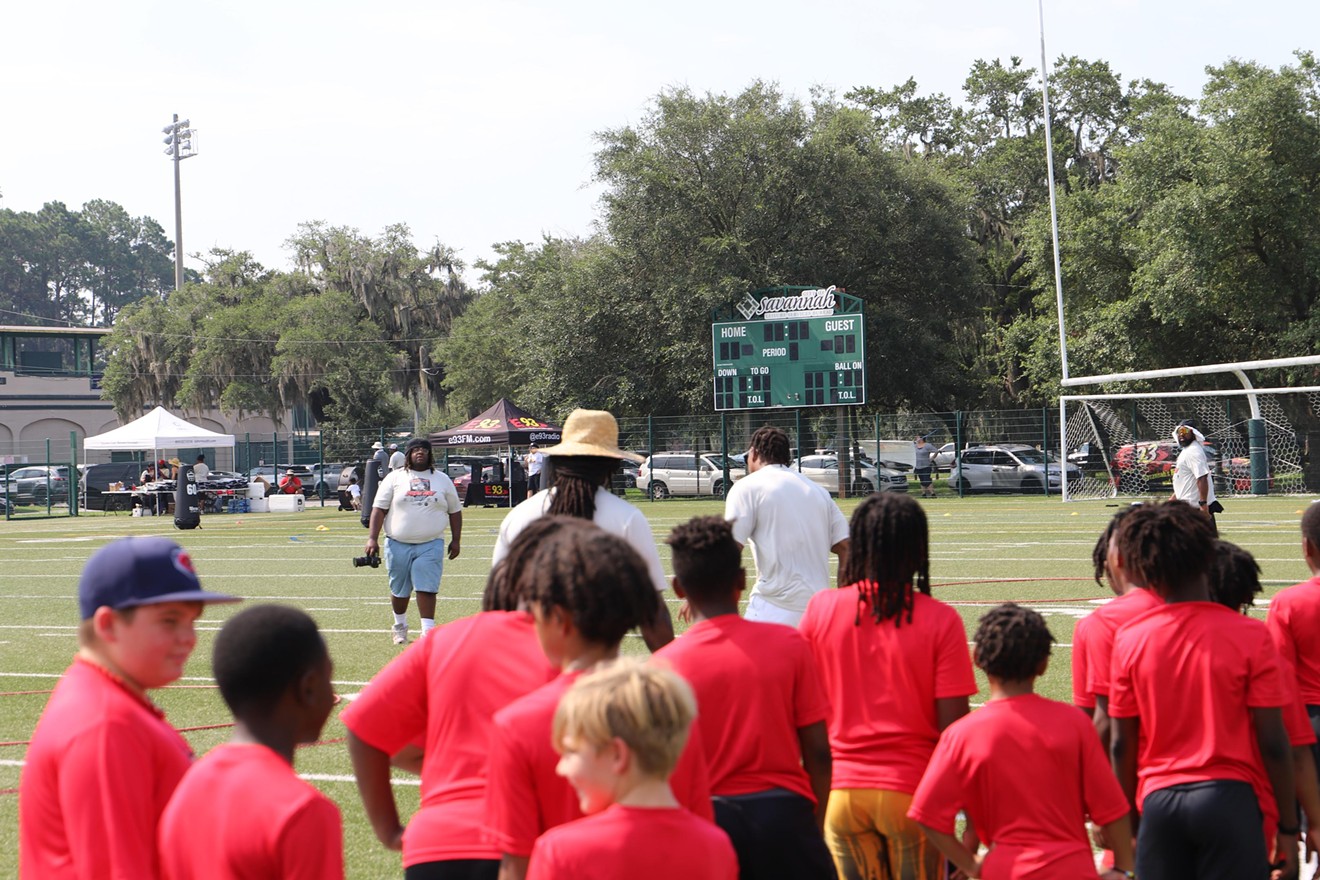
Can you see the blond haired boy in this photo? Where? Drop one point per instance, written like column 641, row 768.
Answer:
column 619, row 732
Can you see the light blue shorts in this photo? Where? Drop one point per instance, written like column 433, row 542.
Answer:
column 414, row 566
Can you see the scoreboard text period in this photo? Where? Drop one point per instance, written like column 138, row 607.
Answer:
column 802, row 347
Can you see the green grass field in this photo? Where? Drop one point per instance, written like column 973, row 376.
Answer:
column 984, row 551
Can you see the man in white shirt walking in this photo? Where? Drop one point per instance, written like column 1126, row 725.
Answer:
column 1192, row 480
column 414, row 504
column 792, row 524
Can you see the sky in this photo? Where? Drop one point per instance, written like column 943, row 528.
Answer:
column 475, row 123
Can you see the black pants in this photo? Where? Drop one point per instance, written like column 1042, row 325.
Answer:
column 775, row 836
column 1202, row 831
column 459, row 869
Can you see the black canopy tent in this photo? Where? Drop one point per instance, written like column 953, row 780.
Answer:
column 504, row 424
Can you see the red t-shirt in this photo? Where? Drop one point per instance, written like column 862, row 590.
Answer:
column 1294, row 624
column 1028, row 771
column 758, row 685
column 525, row 797
column 1082, row 697
column 241, row 813
column 444, row 692
column 1191, row 671
column 1105, row 623
column 637, row 843
column 883, row 681
column 102, row 765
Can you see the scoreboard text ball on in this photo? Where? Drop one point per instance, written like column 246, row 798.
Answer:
column 796, row 346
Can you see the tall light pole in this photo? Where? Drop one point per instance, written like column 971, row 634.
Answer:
column 179, row 146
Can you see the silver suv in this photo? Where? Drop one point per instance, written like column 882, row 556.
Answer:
column 685, row 473
column 1011, row 467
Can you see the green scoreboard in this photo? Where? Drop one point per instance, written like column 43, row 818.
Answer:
column 794, row 356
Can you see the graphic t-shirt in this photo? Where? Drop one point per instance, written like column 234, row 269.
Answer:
column 417, row 504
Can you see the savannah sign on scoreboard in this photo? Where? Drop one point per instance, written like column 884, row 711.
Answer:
column 797, row 346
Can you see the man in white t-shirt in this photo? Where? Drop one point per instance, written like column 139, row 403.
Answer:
column 535, row 461
column 200, row 470
column 1192, row 480
column 792, row 524
column 397, row 458
column 414, row 504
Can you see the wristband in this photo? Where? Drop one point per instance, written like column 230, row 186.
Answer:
column 1130, row 875
column 1203, row 503
column 1290, row 832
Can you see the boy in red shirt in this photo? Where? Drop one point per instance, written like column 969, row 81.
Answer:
column 1093, row 650
column 895, row 665
column 620, row 731
column 1234, row 583
column 241, row 813
column 103, row 761
column 444, row 692
column 1196, row 697
column 586, row 589
column 764, row 729
column 1027, row 770
column 1294, row 621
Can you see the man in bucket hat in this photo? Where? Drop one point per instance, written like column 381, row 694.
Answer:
column 581, row 468
column 414, row 504
column 103, row 761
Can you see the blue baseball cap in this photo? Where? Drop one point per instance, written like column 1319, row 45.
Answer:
column 141, row 571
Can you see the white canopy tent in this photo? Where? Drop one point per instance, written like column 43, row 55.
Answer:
column 158, row 429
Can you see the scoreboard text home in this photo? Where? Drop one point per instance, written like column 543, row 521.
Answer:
column 797, row 346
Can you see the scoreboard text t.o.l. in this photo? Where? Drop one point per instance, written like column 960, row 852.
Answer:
column 806, row 348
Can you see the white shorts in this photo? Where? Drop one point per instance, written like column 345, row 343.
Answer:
column 762, row 611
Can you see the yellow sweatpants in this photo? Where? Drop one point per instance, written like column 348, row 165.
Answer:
column 871, row 837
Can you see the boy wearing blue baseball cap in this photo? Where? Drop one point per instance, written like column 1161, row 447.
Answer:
column 103, row 761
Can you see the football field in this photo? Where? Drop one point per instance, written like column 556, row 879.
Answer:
column 985, row 550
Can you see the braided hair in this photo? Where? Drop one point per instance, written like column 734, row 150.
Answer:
column 1169, row 546
column 595, row 577
column 1011, row 642
column 888, row 556
column 1234, row 578
column 576, row 479
column 1100, row 553
column 771, row 445
column 1311, row 525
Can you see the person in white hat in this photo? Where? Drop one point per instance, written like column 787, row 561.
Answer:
column 581, row 467
column 1192, row 480
column 397, row 458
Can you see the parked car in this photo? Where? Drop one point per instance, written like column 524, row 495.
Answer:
column 685, row 473
column 97, row 478
column 329, row 474
column 823, row 470
column 37, row 484
column 1011, row 467
column 627, row 475
column 945, row 455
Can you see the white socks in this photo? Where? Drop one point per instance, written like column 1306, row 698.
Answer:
column 428, row 624
column 401, row 619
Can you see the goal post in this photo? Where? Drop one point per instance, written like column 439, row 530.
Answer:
column 1257, row 440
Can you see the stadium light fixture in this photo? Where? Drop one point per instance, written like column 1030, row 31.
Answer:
column 179, row 146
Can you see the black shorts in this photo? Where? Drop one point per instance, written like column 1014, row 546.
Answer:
column 1202, row 831
column 458, row 869
column 775, row 835
column 923, row 476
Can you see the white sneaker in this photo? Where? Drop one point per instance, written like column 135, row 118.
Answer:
column 400, row 633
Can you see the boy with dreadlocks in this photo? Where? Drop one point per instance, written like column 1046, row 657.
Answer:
column 1027, row 770
column 1093, row 642
column 895, row 666
column 1234, row 583
column 444, row 692
column 580, row 469
column 764, row 729
column 585, row 588
column 1196, row 697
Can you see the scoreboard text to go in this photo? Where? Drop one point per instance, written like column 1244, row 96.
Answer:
column 804, row 362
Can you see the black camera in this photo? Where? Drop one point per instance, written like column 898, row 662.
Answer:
column 372, row 559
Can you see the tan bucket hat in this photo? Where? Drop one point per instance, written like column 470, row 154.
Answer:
column 591, row 432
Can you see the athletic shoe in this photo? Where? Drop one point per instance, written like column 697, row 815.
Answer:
column 400, row 633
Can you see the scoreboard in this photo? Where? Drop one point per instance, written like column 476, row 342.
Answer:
column 789, row 362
